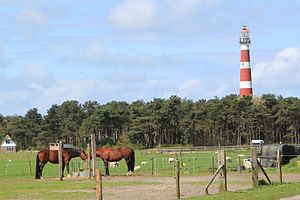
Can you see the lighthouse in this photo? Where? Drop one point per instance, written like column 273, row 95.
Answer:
column 245, row 70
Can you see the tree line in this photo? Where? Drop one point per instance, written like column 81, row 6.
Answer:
column 230, row 120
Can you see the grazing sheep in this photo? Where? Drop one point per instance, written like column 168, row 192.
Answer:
column 247, row 163
column 228, row 159
column 114, row 164
column 137, row 168
column 172, row 160
column 144, row 163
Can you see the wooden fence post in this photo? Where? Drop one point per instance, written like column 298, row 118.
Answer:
column 240, row 165
column 29, row 163
column 254, row 167
column 178, row 179
column 6, row 168
column 152, row 166
column 98, row 185
column 89, row 159
column 94, row 159
column 279, row 165
column 193, row 165
column 155, row 166
column 222, row 174
column 78, row 164
column 221, row 171
column 60, row 160
column 72, row 167
column 213, row 164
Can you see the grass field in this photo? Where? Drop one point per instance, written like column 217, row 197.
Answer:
column 13, row 164
column 17, row 172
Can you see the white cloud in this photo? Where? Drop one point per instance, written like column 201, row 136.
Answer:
column 189, row 87
column 3, row 60
column 222, row 90
column 32, row 17
column 81, row 90
column 182, row 8
column 195, row 89
column 37, row 76
column 281, row 74
column 97, row 55
column 134, row 14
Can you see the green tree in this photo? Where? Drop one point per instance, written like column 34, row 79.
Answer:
column 32, row 124
column 71, row 116
column 51, row 129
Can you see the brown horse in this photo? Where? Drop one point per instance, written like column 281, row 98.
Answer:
column 46, row 155
column 117, row 154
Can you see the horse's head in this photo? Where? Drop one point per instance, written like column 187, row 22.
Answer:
column 83, row 155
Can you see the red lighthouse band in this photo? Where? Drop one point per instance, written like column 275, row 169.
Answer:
column 245, row 70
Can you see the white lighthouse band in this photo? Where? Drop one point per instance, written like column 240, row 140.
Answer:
column 244, row 65
column 245, row 84
column 244, row 46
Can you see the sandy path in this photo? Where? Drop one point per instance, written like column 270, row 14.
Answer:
column 164, row 188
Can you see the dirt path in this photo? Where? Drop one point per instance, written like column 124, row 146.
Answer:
column 164, row 188
column 292, row 198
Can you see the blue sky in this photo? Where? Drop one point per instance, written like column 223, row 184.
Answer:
column 125, row 50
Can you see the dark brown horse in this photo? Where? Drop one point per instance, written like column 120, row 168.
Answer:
column 117, row 154
column 46, row 155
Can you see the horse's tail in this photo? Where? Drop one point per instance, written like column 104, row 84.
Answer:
column 132, row 161
column 37, row 167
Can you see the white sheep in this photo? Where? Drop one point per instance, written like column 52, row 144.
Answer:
column 137, row 168
column 144, row 163
column 247, row 163
column 172, row 160
column 114, row 164
column 228, row 159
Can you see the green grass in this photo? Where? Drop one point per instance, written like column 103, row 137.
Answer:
column 17, row 182
column 18, row 164
column 272, row 192
column 12, row 164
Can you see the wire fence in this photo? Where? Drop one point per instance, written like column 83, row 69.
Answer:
column 189, row 165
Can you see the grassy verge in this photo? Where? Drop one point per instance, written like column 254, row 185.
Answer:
column 272, row 192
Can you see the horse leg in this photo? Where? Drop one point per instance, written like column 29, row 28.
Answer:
column 41, row 170
column 129, row 172
column 106, row 167
column 38, row 171
column 63, row 169
column 68, row 168
column 128, row 164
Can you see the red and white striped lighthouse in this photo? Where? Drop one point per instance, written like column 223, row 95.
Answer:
column 245, row 70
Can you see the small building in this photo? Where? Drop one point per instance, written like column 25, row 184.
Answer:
column 8, row 145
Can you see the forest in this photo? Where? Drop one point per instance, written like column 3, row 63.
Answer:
column 230, row 120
